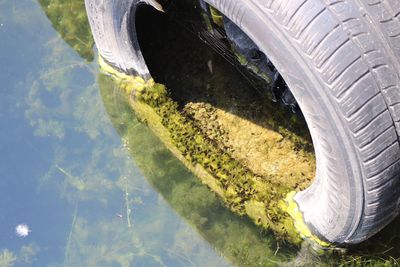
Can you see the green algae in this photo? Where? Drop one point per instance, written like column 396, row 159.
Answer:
column 253, row 208
column 272, row 154
column 235, row 237
column 290, row 206
column 216, row 16
column 242, row 187
column 241, row 190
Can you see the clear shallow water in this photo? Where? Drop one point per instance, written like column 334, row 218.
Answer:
column 94, row 185
column 63, row 168
column 67, row 173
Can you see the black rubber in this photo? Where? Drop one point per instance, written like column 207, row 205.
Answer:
column 344, row 73
column 341, row 60
column 112, row 23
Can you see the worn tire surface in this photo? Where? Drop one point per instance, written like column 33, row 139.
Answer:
column 112, row 25
column 341, row 60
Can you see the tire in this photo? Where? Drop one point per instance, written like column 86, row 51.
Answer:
column 341, row 61
column 344, row 74
column 112, row 23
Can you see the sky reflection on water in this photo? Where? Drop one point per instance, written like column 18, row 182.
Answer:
column 93, row 184
column 64, row 169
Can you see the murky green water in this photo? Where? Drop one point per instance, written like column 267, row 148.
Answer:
column 93, row 184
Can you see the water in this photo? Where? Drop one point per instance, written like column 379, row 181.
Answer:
column 64, row 170
column 93, row 184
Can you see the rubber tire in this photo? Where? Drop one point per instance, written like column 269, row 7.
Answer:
column 344, row 72
column 341, row 62
column 112, row 24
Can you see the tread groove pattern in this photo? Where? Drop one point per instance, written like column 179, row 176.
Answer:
column 360, row 63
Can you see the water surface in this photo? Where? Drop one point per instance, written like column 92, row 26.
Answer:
column 93, row 184
column 64, row 169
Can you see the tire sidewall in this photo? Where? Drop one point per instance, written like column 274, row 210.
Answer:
column 333, row 205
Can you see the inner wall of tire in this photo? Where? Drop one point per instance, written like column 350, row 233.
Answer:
column 337, row 229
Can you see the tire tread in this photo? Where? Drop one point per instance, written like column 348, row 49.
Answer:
column 358, row 62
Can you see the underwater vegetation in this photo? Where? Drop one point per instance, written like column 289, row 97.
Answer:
column 235, row 237
column 198, row 205
column 69, row 19
column 242, row 191
column 25, row 256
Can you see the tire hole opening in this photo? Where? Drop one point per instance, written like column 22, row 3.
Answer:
column 236, row 112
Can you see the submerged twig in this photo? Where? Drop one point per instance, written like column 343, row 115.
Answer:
column 277, row 249
column 128, row 209
column 67, row 248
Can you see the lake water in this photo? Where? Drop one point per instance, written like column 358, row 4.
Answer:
column 91, row 182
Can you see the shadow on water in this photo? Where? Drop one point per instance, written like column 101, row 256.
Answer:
column 236, row 238
column 193, row 72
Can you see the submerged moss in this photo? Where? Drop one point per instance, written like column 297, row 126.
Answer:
column 212, row 142
column 271, row 154
column 235, row 238
column 242, row 190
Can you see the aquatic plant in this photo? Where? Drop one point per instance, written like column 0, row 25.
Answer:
column 7, row 258
column 69, row 18
column 26, row 256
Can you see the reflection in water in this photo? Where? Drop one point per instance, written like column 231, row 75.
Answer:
column 64, row 170
column 95, row 175
column 25, row 256
column 66, row 173
column 69, row 19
